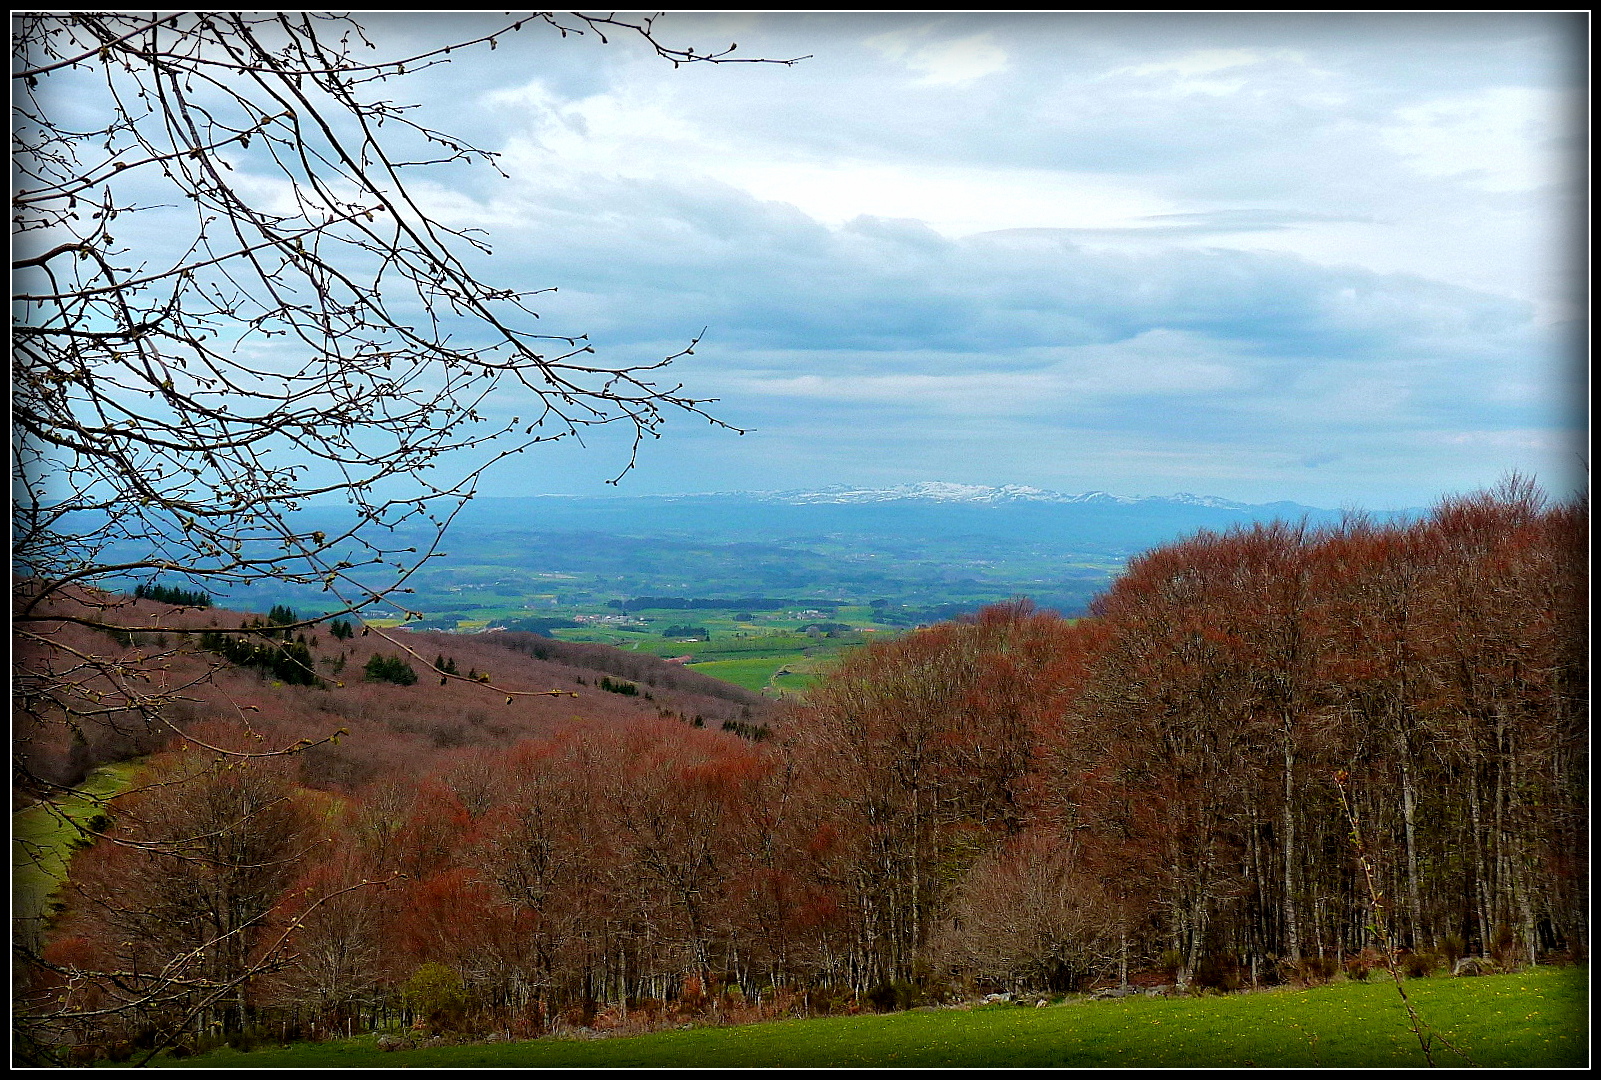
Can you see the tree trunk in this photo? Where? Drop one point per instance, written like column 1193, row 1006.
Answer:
column 1292, row 929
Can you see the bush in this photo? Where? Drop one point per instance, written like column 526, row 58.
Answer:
column 648, row 1007
column 827, row 999
column 1217, row 973
column 434, row 992
column 894, row 996
column 1313, row 970
column 1453, row 948
column 1417, row 965
column 1504, row 948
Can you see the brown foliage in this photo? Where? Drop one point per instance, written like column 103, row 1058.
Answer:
column 1012, row 799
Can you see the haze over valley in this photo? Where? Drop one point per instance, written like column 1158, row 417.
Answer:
column 922, row 552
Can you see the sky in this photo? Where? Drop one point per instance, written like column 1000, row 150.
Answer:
column 1334, row 259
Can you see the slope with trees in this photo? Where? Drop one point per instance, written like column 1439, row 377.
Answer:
column 1008, row 802
column 231, row 298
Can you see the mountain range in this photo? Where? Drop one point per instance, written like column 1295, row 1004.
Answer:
column 1093, row 521
column 976, row 494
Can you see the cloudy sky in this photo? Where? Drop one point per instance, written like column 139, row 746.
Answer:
column 1327, row 258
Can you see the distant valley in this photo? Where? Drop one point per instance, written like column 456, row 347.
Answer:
column 873, row 559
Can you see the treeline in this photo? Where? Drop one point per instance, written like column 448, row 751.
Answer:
column 1442, row 665
column 172, row 594
column 687, row 631
column 1011, row 801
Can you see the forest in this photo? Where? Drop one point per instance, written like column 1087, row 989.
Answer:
column 1012, row 801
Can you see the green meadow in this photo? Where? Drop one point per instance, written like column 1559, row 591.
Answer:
column 754, row 674
column 1534, row 1019
column 42, row 837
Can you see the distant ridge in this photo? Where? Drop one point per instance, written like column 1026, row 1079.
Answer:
column 939, row 491
column 1090, row 521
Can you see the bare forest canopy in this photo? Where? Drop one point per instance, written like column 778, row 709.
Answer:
column 1005, row 802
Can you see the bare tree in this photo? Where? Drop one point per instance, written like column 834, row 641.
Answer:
column 229, row 303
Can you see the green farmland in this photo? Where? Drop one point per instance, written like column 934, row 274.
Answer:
column 753, row 674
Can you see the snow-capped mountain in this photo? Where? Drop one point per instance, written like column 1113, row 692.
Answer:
column 975, row 494
column 1011, row 513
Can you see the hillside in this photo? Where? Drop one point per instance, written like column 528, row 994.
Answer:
column 390, row 726
column 1209, row 784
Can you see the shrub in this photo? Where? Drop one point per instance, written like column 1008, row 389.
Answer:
column 893, row 996
column 648, row 1007
column 1217, row 973
column 434, row 992
column 1314, row 970
column 827, row 999
column 1417, row 965
column 752, row 732
column 1504, row 947
column 1453, row 948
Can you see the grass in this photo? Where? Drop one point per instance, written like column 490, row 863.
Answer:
column 793, row 682
column 41, row 837
column 753, row 674
column 1535, row 1019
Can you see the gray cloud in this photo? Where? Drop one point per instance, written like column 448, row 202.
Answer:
column 1302, row 256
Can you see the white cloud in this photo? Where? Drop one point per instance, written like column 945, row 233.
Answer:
column 943, row 63
column 954, row 200
column 1502, row 139
column 1515, row 439
column 1227, row 247
column 1195, row 73
column 1033, row 382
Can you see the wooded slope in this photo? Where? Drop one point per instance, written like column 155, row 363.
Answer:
column 1010, row 801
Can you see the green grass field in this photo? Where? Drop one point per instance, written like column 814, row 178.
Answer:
column 41, row 838
column 755, row 674
column 1536, row 1019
